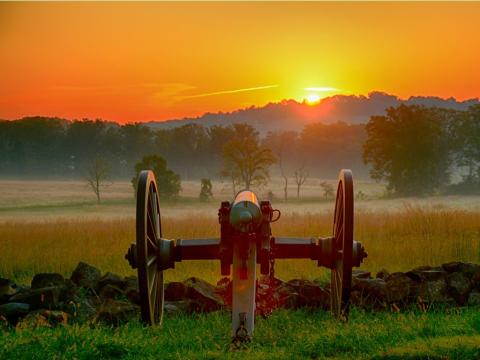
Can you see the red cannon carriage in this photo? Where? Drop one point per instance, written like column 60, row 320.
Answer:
column 245, row 240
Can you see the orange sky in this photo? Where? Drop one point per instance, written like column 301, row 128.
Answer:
column 154, row 61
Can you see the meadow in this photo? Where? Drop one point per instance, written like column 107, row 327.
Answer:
column 51, row 226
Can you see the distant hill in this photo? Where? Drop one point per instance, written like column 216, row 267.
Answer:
column 292, row 115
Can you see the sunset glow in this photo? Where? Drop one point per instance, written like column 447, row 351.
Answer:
column 156, row 61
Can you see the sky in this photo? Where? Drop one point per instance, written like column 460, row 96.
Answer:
column 155, row 61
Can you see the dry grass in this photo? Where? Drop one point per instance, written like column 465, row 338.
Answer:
column 396, row 241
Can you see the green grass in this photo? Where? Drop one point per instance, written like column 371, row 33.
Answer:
column 440, row 334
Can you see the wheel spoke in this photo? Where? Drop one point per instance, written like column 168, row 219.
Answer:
column 152, row 281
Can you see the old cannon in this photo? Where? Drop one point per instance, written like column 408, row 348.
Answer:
column 245, row 241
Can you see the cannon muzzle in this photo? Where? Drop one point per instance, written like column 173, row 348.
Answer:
column 245, row 213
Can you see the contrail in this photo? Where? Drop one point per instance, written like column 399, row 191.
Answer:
column 229, row 91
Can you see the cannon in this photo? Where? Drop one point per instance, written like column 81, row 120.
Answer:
column 245, row 240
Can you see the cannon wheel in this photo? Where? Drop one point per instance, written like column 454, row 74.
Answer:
column 341, row 277
column 149, row 230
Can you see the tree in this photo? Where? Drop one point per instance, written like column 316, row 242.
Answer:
column 466, row 145
column 283, row 145
column 409, row 148
column 327, row 189
column 98, row 173
column 245, row 161
column 167, row 181
column 206, row 190
column 301, row 175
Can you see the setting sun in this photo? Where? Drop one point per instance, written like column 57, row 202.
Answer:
column 312, row 99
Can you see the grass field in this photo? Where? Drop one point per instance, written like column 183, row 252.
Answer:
column 53, row 226
column 451, row 334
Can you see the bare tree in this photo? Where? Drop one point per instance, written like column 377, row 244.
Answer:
column 301, row 175
column 98, row 175
column 282, row 144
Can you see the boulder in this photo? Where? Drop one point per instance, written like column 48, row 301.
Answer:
column 43, row 280
column 399, row 288
column 110, row 291
column 176, row 307
column 14, row 311
column 308, row 294
column 69, row 291
column 39, row 298
column 175, row 291
column 111, row 279
column 203, row 294
column 427, row 273
column 457, row 266
column 130, row 289
column 433, row 291
column 81, row 309
column 86, row 275
column 382, row 274
column 458, row 287
column 361, row 274
column 115, row 312
column 371, row 293
column 7, row 288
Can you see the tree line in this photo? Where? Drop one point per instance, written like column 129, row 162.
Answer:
column 414, row 149
column 57, row 148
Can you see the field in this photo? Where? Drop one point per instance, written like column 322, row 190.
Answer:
column 48, row 226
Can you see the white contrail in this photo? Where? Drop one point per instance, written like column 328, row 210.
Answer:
column 229, row 91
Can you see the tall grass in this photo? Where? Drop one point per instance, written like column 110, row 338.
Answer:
column 395, row 241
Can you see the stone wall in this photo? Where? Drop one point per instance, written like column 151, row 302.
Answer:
column 89, row 296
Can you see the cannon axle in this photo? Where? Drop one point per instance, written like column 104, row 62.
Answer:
column 245, row 240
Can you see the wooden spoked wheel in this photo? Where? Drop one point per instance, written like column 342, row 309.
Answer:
column 341, row 278
column 148, row 233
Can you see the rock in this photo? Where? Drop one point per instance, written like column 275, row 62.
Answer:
column 81, row 309
column 86, row 275
column 115, row 312
column 7, row 289
column 457, row 266
column 309, row 294
column 110, row 292
column 111, row 279
column 382, row 274
column 43, row 280
column 69, row 291
column 458, row 286
column 175, row 291
column 13, row 311
column 361, row 274
column 176, row 307
column 433, row 291
column 133, row 295
column 204, row 295
column 372, row 293
column 130, row 289
column 429, row 274
column 39, row 298
column 399, row 288
column 474, row 298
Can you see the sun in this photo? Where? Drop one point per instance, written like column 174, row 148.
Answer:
column 312, row 99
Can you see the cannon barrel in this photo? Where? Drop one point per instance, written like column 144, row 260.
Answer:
column 245, row 213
